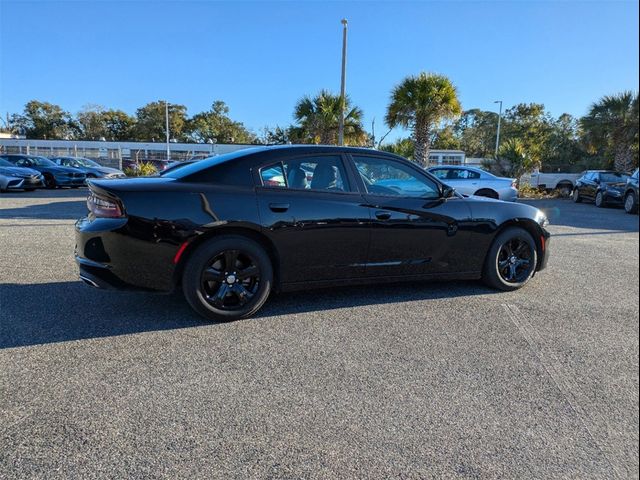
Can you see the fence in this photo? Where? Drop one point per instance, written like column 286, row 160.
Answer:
column 115, row 154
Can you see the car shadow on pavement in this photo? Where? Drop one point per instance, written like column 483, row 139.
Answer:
column 34, row 314
column 67, row 210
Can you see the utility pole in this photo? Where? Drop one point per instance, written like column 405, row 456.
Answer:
column 498, row 133
column 342, row 82
column 166, row 115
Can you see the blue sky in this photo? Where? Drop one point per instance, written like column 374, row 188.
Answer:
column 261, row 57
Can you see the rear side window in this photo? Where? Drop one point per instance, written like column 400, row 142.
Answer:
column 313, row 173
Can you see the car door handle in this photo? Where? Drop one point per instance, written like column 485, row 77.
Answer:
column 382, row 215
column 279, row 207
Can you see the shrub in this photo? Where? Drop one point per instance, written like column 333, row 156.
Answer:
column 144, row 169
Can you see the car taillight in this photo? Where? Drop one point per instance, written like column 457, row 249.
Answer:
column 103, row 207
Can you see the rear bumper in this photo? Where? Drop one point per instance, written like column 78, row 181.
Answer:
column 113, row 254
column 509, row 194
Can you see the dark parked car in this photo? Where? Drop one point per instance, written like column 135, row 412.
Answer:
column 91, row 168
column 631, row 194
column 228, row 237
column 54, row 175
column 604, row 187
column 17, row 178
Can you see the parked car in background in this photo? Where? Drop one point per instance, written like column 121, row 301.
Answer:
column 604, row 187
column 230, row 229
column 475, row 181
column 54, row 175
column 177, row 164
column 91, row 168
column 631, row 194
column 564, row 182
column 17, row 178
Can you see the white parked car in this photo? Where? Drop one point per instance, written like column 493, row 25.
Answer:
column 475, row 181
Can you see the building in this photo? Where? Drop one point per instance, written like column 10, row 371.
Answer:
column 446, row 157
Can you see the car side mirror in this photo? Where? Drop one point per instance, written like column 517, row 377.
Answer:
column 448, row 192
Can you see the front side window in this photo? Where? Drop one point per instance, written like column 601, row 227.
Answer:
column 388, row 177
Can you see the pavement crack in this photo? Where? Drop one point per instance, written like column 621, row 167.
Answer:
column 568, row 387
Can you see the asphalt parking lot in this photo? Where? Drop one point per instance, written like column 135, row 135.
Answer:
column 405, row 381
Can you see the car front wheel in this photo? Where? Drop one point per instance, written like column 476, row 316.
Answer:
column 600, row 202
column 576, row 196
column 631, row 203
column 227, row 278
column 49, row 181
column 511, row 261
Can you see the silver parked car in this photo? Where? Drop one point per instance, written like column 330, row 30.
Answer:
column 475, row 181
column 17, row 178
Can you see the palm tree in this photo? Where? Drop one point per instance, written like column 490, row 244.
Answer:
column 611, row 129
column 318, row 119
column 420, row 103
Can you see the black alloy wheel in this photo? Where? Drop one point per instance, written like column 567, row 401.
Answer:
column 514, row 260
column 49, row 181
column 227, row 278
column 600, row 201
column 511, row 261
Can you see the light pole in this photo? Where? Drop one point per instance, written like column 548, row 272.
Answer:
column 498, row 134
column 166, row 115
column 342, row 82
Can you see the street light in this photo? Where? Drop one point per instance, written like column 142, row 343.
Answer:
column 342, row 82
column 166, row 115
column 498, row 134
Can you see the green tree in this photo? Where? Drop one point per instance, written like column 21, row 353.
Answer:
column 90, row 121
column 563, row 145
column 318, row 120
column 118, row 125
column 513, row 159
column 420, row 103
column 403, row 146
column 477, row 130
column 43, row 120
column 611, row 130
column 150, row 122
column 531, row 125
column 446, row 139
column 215, row 123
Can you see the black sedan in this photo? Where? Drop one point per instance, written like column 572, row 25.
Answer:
column 91, row 168
column 228, row 237
column 603, row 187
column 54, row 175
column 631, row 194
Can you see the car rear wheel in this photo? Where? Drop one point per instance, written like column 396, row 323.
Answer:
column 227, row 278
column 631, row 203
column 511, row 261
column 486, row 192
column 576, row 196
column 600, row 202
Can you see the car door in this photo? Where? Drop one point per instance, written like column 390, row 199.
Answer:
column 590, row 185
column 315, row 216
column 415, row 230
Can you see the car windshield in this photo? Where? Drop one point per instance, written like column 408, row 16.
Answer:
column 42, row 162
column 611, row 177
column 85, row 162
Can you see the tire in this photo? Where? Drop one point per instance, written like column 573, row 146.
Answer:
column 223, row 297
column 575, row 196
column 600, row 201
column 49, row 181
column 487, row 193
column 631, row 203
column 564, row 189
column 499, row 264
